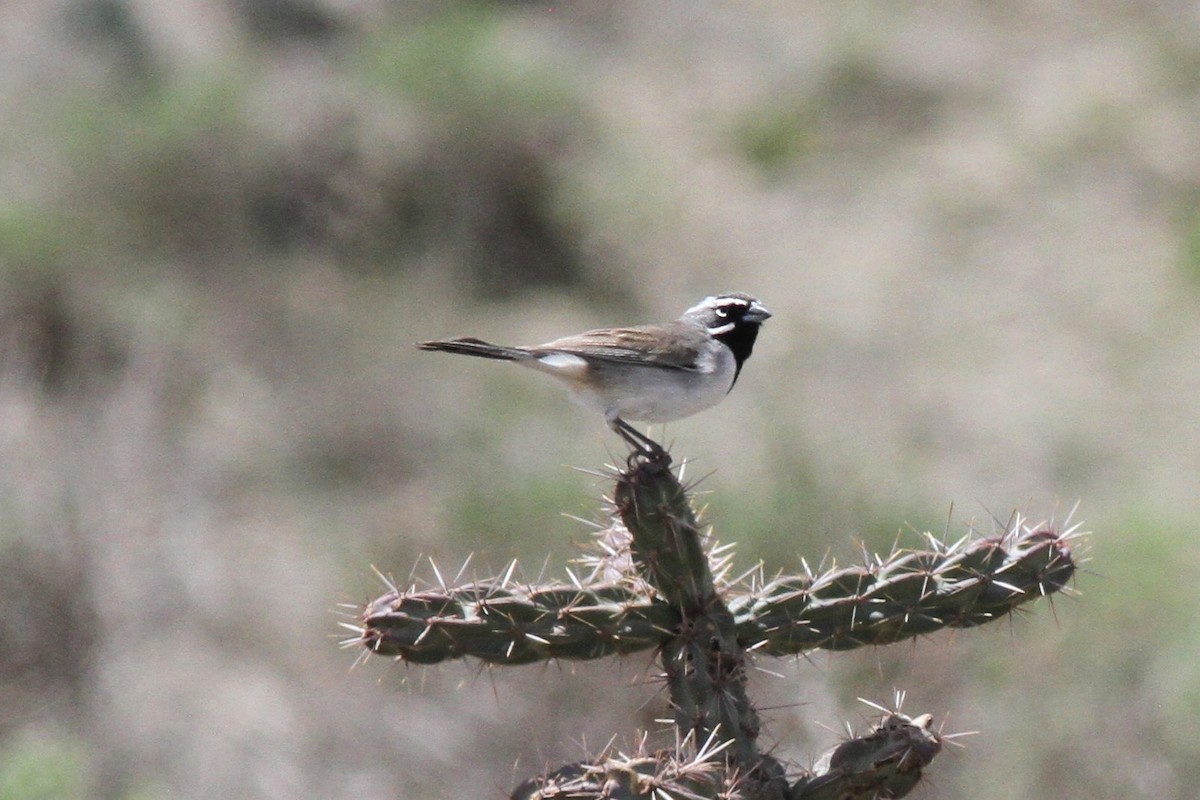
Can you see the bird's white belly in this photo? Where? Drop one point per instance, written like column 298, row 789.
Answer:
column 651, row 394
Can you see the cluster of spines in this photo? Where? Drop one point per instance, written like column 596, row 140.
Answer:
column 886, row 761
column 510, row 623
column 885, row 600
column 909, row 593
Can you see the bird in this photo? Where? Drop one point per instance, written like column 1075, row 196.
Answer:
column 646, row 373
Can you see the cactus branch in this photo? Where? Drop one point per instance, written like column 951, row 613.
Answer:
column 887, row 600
column 704, row 663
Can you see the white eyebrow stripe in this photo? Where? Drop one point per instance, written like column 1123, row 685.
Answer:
column 714, row 302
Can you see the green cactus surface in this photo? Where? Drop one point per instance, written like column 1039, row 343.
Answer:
column 889, row 599
column 508, row 623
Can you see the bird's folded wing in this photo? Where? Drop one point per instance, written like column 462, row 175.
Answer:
column 661, row 346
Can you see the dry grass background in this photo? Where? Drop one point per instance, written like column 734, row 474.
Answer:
column 223, row 225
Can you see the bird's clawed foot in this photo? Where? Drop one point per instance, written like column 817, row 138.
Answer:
column 642, row 445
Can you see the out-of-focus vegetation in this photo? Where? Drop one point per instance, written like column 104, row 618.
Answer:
column 222, row 226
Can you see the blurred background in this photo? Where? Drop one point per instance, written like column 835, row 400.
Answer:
column 223, row 225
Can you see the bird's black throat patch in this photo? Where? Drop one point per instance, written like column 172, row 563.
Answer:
column 740, row 340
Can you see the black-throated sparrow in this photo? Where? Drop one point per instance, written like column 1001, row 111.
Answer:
column 648, row 373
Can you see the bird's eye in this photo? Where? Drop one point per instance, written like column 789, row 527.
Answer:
column 722, row 313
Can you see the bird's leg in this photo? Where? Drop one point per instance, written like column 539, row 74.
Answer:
column 642, row 444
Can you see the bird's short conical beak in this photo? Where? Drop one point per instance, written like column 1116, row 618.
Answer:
column 757, row 313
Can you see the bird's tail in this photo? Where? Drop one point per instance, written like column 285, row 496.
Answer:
column 477, row 347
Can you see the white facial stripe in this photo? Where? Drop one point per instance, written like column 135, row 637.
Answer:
column 726, row 328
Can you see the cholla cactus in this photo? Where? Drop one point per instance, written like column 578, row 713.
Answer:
column 658, row 584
